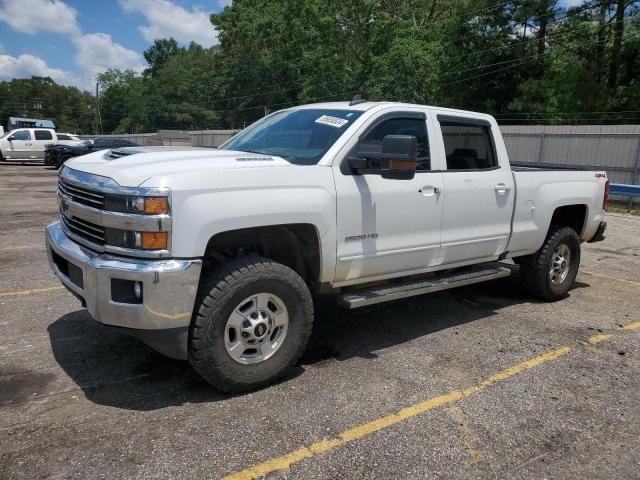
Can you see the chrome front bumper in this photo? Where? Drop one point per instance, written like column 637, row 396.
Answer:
column 169, row 286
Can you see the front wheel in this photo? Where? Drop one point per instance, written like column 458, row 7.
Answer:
column 550, row 272
column 252, row 324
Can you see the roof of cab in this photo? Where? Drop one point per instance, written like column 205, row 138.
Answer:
column 367, row 105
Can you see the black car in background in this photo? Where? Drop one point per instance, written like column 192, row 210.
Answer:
column 55, row 155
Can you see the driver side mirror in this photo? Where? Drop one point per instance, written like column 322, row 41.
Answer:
column 11, row 138
column 397, row 161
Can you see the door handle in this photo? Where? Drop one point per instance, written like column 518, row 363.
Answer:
column 28, row 144
column 430, row 190
column 501, row 188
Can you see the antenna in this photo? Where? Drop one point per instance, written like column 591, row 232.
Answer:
column 356, row 100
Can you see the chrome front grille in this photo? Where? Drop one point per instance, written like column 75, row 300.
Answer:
column 83, row 195
column 94, row 212
column 88, row 231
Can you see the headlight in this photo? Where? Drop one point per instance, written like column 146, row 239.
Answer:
column 136, row 205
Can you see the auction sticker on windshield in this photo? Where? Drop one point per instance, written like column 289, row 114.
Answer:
column 332, row 121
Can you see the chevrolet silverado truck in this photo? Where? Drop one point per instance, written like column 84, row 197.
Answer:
column 217, row 255
column 30, row 143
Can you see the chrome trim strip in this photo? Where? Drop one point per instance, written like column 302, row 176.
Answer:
column 132, row 252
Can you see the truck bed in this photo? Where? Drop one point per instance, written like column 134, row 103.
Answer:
column 541, row 189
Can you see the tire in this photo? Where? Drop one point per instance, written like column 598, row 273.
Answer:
column 226, row 293
column 536, row 270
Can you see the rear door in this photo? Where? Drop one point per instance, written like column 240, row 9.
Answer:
column 41, row 140
column 478, row 191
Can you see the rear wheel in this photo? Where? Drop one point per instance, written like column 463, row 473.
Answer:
column 253, row 323
column 551, row 271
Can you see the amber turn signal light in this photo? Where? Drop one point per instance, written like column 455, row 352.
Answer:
column 154, row 240
column 156, row 205
column 402, row 164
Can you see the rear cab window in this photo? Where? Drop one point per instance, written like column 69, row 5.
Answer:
column 468, row 144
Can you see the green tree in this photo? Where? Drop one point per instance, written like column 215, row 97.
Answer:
column 158, row 54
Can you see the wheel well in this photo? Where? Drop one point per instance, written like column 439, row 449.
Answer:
column 570, row 216
column 294, row 245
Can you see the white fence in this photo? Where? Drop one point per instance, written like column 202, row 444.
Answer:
column 614, row 148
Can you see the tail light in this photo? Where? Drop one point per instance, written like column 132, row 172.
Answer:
column 605, row 200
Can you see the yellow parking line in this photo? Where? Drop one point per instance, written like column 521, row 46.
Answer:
column 637, row 284
column 598, row 338
column 631, row 326
column 22, row 293
column 468, row 436
column 285, row 461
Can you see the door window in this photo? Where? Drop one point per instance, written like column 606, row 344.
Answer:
column 415, row 127
column 43, row 135
column 23, row 135
column 468, row 146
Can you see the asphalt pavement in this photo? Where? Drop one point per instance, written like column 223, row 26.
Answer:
column 478, row 382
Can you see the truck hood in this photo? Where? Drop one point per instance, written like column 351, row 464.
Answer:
column 132, row 166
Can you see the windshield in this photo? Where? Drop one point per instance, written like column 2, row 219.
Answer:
column 299, row 136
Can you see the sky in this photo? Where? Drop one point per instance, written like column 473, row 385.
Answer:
column 72, row 41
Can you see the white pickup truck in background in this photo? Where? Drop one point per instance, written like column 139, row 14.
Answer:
column 30, row 143
column 216, row 255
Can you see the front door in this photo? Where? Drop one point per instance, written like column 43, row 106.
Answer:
column 478, row 191
column 20, row 144
column 388, row 226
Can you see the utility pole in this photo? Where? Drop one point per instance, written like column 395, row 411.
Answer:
column 97, row 131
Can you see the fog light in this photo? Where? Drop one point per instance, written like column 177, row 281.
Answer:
column 137, row 290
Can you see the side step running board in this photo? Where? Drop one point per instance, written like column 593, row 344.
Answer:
column 386, row 293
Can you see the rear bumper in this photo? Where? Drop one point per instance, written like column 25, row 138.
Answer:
column 599, row 235
column 159, row 317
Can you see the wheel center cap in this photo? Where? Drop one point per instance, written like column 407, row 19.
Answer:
column 260, row 330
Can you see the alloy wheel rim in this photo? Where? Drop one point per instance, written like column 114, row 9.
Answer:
column 256, row 328
column 560, row 264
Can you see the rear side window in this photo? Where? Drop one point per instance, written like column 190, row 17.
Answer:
column 21, row 135
column 468, row 146
column 43, row 135
column 415, row 127
column 62, row 136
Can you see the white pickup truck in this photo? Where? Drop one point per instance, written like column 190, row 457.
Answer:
column 216, row 255
column 30, row 143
